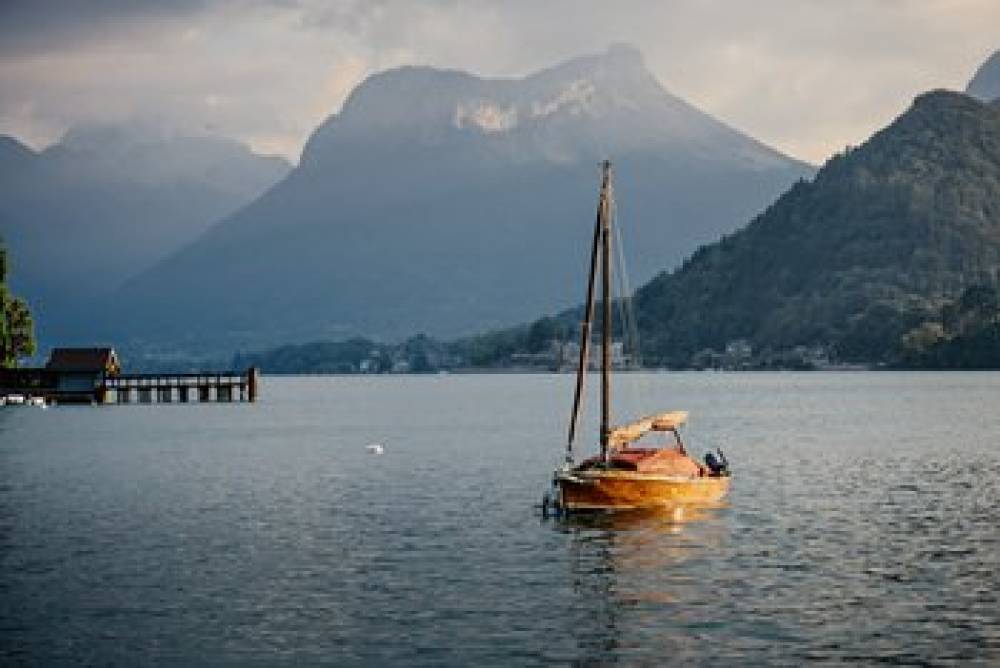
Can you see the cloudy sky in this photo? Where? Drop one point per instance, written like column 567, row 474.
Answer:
column 806, row 76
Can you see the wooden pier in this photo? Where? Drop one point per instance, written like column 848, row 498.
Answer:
column 180, row 388
column 134, row 388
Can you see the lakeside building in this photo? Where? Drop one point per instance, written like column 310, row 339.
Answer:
column 81, row 372
column 565, row 356
column 72, row 375
column 94, row 376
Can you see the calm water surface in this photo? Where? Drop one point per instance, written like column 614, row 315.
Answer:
column 863, row 527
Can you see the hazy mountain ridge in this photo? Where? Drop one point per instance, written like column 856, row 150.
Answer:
column 147, row 154
column 985, row 84
column 109, row 201
column 13, row 154
column 438, row 201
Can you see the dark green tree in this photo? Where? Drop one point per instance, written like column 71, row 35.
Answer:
column 17, row 329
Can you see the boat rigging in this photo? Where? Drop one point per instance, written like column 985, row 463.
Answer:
column 622, row 476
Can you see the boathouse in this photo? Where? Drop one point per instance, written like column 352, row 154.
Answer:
column 81, row 372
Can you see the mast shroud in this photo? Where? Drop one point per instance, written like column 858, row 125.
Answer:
column 601, row 240
column 588, row 319
column 606, row 310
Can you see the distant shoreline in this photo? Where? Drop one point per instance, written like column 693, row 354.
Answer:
column 534, row 372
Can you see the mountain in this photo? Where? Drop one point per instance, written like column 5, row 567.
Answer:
column 442, row 202
column 875, row 244
column 870, row 262
column 14, row 156
column 985, row 84
column 107, row 202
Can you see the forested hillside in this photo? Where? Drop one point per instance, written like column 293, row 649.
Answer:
column 842, row 267
column 964, row 335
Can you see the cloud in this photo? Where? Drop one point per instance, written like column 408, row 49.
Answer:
column 41, row 26
column 803, row 75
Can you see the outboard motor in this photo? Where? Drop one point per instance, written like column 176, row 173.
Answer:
column 717, row 465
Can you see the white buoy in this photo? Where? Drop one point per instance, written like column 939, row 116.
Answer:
column 375, row 448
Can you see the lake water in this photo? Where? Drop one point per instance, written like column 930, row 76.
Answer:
column 863, row 527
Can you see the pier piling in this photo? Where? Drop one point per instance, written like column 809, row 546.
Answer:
column 160, row 388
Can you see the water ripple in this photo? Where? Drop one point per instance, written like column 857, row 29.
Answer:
column 265, row 534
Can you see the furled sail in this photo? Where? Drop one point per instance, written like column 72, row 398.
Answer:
column 633, row 431
column 669, row 421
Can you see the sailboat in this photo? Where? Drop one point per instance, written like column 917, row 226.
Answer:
column 624, row 476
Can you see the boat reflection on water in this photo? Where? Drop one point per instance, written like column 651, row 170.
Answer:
column 641, row 580
column 669, row 518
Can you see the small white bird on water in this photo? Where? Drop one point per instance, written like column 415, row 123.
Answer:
column 375, row 448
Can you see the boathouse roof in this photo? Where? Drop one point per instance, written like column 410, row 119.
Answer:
column 83, row 360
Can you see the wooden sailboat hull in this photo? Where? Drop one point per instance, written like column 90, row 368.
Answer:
column 629, row 490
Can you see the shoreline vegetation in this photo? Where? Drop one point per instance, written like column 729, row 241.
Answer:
column 385, row 359
column 964, row 334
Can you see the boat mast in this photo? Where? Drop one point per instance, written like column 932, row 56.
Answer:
column 585, row 326
column 604, row 215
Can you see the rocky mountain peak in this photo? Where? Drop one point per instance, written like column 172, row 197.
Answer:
column 580, row 109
